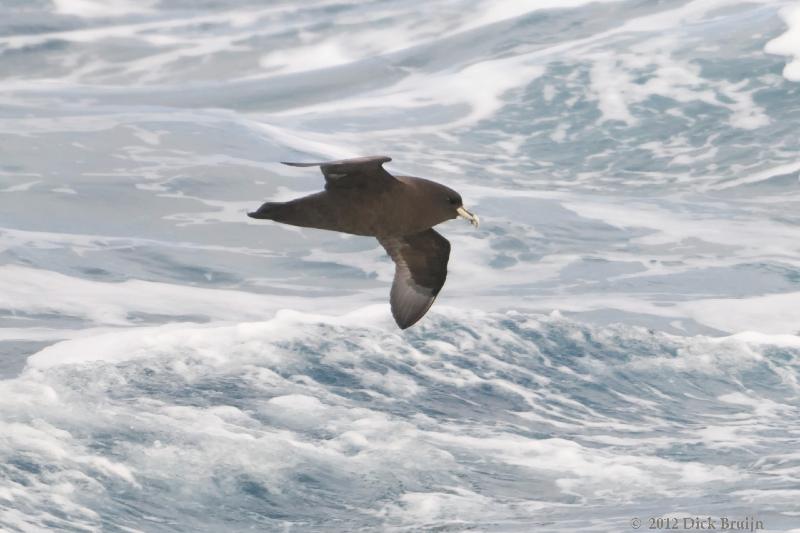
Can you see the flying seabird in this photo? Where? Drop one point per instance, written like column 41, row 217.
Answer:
column 362, row 198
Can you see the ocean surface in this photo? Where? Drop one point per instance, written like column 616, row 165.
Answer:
column 617, row 342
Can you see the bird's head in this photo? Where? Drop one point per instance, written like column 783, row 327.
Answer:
column 452, row 203
column 434, row 203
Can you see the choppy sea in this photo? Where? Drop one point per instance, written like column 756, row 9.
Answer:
column 617, row 342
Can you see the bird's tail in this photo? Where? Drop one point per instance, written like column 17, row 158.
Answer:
column 312, row 211
column 269, row 211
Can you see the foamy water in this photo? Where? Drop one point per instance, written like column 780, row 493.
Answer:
column 619, row 340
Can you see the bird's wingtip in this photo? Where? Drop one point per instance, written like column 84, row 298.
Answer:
column 295, row 164
column 367, row 160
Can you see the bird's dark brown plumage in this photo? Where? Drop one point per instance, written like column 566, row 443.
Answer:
column 362, row 198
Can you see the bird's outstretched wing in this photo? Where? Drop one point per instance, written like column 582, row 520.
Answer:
column 420, row 270
column 359, row 172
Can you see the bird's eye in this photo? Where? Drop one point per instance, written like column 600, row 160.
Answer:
column 453, row 200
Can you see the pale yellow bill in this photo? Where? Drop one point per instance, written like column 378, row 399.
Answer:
column 473, row 219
